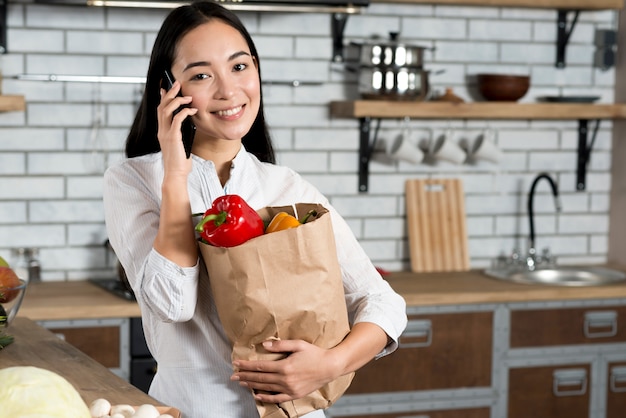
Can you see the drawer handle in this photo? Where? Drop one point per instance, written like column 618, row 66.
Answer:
column 418, row 333
column 569, row 382
column 600, row 324
column 618, row 379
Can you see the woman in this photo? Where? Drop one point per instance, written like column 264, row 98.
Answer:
column 148, row 201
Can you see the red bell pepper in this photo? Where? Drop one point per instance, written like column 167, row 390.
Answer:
column 229, row 222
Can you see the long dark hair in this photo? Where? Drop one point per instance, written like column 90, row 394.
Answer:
column 142, row 138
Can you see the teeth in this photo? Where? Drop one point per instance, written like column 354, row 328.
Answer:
column 229, row 112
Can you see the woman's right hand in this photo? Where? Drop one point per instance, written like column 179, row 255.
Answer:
column 169, row 130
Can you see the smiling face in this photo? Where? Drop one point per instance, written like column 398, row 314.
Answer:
column 214, row 65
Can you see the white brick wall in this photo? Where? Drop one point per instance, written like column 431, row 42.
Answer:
column 52, row 156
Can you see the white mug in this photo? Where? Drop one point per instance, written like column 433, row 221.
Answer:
column 445, row 149
column 484, row 148
column 402, row 148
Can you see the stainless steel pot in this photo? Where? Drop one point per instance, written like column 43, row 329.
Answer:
column 392, row 70
column 385, row 83
column 392, row 52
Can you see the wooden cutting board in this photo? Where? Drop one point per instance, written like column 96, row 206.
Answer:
column 435, row 211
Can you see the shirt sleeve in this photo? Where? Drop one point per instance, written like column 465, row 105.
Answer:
column 369, row 297
column 132, row 218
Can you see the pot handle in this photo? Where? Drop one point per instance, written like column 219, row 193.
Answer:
column 435, row 72
column 393, row 36
column 351, row 68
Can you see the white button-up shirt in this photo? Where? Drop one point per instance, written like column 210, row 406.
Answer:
column 180, row 321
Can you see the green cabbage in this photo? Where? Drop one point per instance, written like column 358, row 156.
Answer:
column 29, row 392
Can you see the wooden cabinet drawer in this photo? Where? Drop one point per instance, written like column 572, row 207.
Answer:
column 439, row 351
column 551, row 327
column 450, row 413
column 616, row 390
column 100, row 343
column 550, row 391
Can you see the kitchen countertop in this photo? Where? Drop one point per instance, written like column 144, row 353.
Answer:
column 74, row 300
column 82, row 299
column 473, row 287
column 38, row 347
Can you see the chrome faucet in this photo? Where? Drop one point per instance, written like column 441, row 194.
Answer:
column 532, row 259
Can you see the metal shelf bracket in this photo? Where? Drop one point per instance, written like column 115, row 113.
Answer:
column 366, row 147
column 338, row 25
column 563, row 34
column 3, row 26
column 584, row 151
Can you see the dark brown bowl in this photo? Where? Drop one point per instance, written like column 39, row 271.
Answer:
column 502, row 87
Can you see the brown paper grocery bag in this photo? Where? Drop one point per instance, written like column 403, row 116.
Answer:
column 283, row 285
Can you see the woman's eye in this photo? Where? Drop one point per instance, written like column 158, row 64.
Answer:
column 240, row 67
column 200, row 76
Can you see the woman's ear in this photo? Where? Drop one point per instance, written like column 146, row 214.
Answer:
column 256, row 62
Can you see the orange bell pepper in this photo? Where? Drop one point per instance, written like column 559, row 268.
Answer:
column 283, row 220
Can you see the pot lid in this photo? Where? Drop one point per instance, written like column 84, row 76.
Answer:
column 393, row 41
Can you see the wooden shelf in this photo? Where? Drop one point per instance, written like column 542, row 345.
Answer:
column 539, row 4
column 483, row 110
column 12, row 104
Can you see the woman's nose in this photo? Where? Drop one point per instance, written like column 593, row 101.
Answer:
column 224, row 88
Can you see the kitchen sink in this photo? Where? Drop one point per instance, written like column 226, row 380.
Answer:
column 560, row 275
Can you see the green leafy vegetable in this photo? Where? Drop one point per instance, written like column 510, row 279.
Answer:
column 5, row 340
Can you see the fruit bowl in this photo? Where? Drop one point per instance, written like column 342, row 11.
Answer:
column 502, row 87
column 10, row 301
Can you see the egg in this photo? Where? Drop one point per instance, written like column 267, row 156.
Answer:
column 147, row 411
column 125, row 411
column 100, row 408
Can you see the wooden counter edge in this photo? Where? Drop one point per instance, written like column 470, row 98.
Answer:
column 38, row 347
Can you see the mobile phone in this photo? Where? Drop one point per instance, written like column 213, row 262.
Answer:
column 188, row 129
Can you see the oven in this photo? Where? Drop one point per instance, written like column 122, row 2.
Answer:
column 142, row 366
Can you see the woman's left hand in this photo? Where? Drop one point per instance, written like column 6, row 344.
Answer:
column 305, row 369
